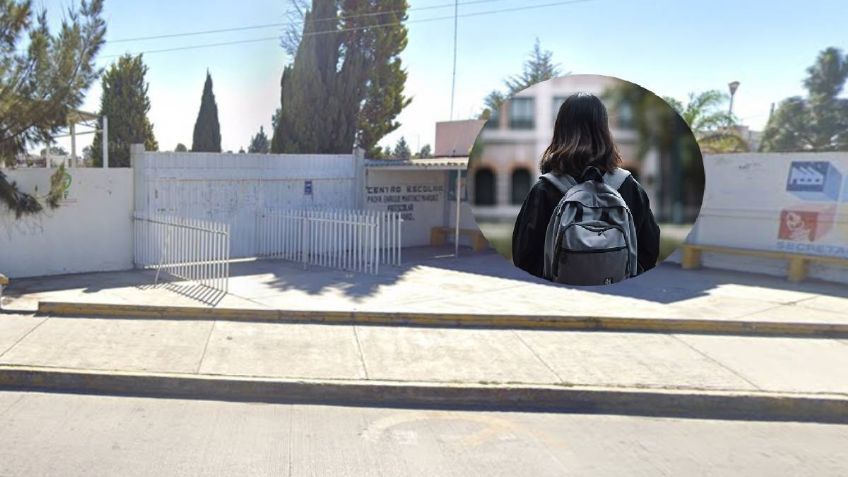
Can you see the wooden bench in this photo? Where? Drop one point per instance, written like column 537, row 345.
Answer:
column 439, row 235
column 797, row 261
column 4, row 282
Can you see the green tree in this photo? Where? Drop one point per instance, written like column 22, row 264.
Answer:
column 259, row 143
column 310, row 110
column 818, row 122
column 662, row 130
column 54, row 151
column 491, row 104
column 715, row 128
column 42, row 79
column 207, row 129
column 401, row 151
column 537, row 68
column 384, row 99
column 180, row 148
column 425, row 152
column 125, row 102
column 345, row 86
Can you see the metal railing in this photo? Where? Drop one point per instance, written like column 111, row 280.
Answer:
column 190, row 249
column 355, row 240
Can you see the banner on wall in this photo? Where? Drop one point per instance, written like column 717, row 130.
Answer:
column 784, row 202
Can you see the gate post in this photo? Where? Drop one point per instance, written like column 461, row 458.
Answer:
column 359, row 177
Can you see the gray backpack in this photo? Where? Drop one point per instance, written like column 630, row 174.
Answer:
column 591, row 238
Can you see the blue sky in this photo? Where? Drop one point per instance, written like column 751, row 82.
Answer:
column 671, row 47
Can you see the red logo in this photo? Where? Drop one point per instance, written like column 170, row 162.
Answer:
column 798, row 225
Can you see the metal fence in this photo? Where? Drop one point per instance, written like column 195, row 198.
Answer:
column 189, row 249
column 355, row 240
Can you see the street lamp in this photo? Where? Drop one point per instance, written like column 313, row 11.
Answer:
column 733, row 85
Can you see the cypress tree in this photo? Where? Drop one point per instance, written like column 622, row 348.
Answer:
column 345, row 86
column 207, row 129
column 125, row 102
column 303, row 109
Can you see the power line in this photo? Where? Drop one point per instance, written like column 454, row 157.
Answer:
column 275, row 25
column 196, row 47
column 365, row 27
column 451, row 17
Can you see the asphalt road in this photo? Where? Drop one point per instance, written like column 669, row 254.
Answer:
column 68, row 435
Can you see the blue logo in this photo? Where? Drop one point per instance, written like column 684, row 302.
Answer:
column 814, row 180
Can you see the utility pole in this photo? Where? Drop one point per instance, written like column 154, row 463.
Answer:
column 453, row 80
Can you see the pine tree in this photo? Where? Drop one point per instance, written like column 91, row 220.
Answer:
column 425, row 152
column 125, row 102
column 42, row 80
column 384, row 99
column 492, row 104
column 539, row 67
column 401, row 151
column 818, row 122
column 207, row 129
column 259, row 143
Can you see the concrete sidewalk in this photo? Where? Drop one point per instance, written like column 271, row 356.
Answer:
column 474, row 284
column 628, row 373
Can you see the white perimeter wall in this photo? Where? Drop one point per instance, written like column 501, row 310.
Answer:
column 232, row 187
column 750, row 202
column 89, row 232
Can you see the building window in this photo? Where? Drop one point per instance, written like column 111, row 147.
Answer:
column 522, row 113
column 520, row 185
column 558, row 100
column 625, row 115
column 484, row 187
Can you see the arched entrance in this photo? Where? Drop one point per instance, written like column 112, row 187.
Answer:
column 484, row 187
column 520, row 185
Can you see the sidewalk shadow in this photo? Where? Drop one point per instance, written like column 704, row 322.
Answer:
column 249, row 279
column 666, row 284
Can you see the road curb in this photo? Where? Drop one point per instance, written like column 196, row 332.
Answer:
column 624, row 401
column 573, row 323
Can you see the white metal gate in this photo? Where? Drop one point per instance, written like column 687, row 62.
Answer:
column 190, row 249
column 231, row 188
column 356, row 240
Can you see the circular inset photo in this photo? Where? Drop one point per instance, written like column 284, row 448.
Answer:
column 585, row 179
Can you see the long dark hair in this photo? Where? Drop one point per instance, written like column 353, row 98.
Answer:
column 581, row 138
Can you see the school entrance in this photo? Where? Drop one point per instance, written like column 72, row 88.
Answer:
column 196, row 212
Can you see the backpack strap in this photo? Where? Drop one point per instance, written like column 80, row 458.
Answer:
column 563, row 182
column 616, row 178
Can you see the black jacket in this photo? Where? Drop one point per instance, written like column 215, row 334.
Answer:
column 528, row 237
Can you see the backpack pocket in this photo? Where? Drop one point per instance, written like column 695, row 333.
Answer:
column 593, row 253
